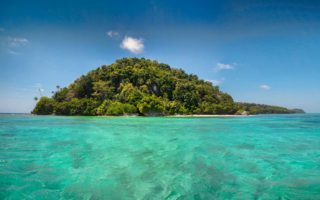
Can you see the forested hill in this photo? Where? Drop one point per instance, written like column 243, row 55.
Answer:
column 253, row 108
column 137, row 86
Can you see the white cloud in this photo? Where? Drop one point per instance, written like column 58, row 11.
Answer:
column 265, row 87
column 224, row 66
column 133, row 45
column 14, row 42
column 112, row 34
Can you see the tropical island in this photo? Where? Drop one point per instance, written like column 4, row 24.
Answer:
column 138, row 86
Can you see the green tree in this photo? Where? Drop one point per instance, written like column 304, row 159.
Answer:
column 118, row 108
column 44, row 106
column 61, row 95
column 102, row 109
column 186, row 93
column 102, row 90
column 151, row 105
column 129, row 94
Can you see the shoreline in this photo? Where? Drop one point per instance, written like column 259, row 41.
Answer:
column 136, row 115
column 169, row 116
column 208, row 116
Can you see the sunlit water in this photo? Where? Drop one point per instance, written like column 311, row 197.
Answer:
column 263, row 157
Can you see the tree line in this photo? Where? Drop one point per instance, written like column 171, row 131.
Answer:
column 138, row 86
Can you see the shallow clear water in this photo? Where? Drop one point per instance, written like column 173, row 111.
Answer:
column 263, row 157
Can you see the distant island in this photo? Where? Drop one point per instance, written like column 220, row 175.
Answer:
column 138, row 86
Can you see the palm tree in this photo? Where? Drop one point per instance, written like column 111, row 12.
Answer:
column 58, row 87
column 40, row 91
column 35, row 98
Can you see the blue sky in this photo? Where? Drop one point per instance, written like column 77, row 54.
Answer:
column 257, row 51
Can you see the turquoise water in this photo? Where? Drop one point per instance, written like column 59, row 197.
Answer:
column 262, row 157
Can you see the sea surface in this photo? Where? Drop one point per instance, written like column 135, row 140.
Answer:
column 258, row 157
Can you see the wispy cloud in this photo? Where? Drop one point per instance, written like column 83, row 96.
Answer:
column 223, row 66
column 133, row 45
column 13, row 52
column 15, row 42
column 216, row 81
column 112, row 34
column 39, row 88
column 265, row 87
